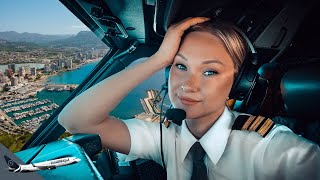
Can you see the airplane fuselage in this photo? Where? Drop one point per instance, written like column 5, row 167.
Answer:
column 51, row 164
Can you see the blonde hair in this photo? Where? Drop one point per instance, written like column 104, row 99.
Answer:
column 230, row 36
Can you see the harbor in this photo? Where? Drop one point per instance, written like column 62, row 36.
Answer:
column 21, row 109
column 25, row 106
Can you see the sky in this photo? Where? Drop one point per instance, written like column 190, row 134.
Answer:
column 38, row 16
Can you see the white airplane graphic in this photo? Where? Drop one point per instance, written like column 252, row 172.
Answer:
column 51, row 164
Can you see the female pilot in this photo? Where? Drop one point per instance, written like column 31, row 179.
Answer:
column 205, row 61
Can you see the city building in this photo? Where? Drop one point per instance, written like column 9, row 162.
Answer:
column 22, row 71
column 21, row 79
column 54, row 66
column 68, row 63
column 47, row 68
column 2, row 79
column 12, row 67
column 9, row 73
column 14, row 81
column 27, row 69
column 33, row 71
column 61, row 64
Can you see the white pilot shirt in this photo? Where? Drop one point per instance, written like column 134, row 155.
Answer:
column 234, row 155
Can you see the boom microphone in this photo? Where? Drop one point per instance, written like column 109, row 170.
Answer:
column 176, row 115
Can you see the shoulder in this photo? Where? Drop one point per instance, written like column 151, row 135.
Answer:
column 271, row 136
column 141, row 126
column 260, row 124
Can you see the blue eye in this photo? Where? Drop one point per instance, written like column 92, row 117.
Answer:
column 209, row 73
column 181, row 67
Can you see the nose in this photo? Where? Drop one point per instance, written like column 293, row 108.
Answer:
column 191, row 83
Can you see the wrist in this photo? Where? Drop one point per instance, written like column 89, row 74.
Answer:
column 161, row 60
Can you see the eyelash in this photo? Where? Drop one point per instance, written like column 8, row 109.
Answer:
column 206, row 73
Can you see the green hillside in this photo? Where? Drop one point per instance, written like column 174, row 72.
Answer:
column 13, row 142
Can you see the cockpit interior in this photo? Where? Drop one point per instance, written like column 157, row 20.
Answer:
column 281, row 81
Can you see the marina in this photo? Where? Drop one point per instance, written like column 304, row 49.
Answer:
column 33, row 124
column 16, row 102
column 38, row 110
column 26, row 106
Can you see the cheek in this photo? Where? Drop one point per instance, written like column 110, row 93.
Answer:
column 174, row 84
column 175, row 79
column 218, row 89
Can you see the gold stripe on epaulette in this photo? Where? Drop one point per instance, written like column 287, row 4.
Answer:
column 166, row 123
column 266, row 127
column 248, row 122
column 256, row 123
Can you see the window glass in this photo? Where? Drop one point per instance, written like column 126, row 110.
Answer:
column 142, row 102
column 45, row 53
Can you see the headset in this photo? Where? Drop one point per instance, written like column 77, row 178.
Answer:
column 246, row 78
column 243, row 83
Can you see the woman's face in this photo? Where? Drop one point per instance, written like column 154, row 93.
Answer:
column 201, row 75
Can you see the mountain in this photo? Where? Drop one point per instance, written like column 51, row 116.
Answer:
column 85, row 39
column 30, row 37
column 17, row 46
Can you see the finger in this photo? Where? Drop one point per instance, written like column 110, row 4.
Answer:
column 188, row 19
column 191, row 22
column 180, row 22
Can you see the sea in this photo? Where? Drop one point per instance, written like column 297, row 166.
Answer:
column 127, row 108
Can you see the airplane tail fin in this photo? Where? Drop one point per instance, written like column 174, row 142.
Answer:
column 11, row 163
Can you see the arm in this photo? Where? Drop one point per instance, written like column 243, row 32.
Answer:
column 89, row 112
column 304, row 164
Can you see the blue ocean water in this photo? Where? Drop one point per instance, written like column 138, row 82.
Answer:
column 73, row 77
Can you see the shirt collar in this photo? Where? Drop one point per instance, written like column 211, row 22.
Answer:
column 213, row 142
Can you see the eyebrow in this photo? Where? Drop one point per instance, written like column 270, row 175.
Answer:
column 204, row 62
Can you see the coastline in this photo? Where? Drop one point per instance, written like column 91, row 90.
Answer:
column 44, row 78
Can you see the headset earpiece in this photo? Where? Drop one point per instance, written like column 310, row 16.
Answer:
column 245, row 79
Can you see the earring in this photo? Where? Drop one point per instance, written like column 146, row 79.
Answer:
column 230, row 103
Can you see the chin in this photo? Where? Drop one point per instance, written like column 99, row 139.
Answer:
column 192, row 114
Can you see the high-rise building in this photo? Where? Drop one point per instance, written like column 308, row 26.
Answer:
column 22, row 71
column 21, row 79
column 9, row 73
column 61, row 64
column 54, row 66
column 33, row 71
column 2, row 77
column 14, row 81
column 69, row 63
column 47, row 68
column 27, row 69
column 12, row 67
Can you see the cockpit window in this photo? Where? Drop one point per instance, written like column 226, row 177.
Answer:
column 144, row 101
column 45, row 53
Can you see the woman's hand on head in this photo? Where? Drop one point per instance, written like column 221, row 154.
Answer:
column 171, row 41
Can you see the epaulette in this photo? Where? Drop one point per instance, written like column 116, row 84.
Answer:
column 260, row 124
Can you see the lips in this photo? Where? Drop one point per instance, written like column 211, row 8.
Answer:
column 187, row 101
